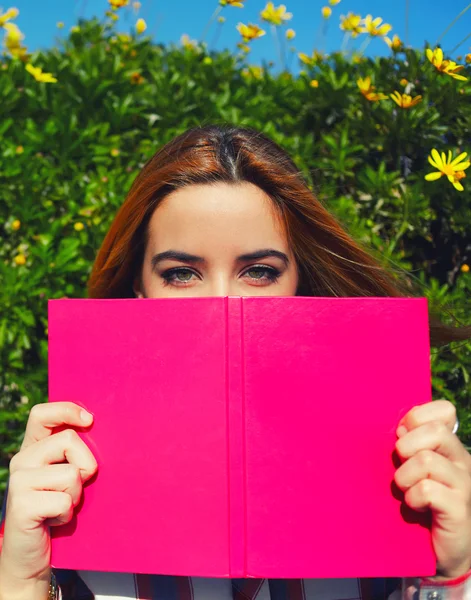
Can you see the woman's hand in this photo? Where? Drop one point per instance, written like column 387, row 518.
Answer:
column 45, row 485
column 436, row 474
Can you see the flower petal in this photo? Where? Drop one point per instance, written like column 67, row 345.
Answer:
column 433, row 163
column 460, row 157
column 459, row 77
column 445, row 162
column 461, row 166
column 433, row 176
column 458, row 186
column 436, row 157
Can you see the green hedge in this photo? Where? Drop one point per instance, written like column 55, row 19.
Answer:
column 70, row 150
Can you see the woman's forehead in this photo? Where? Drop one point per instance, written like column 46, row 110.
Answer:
column 217, row 213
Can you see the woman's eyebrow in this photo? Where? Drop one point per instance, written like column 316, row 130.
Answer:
column 175, row 255
column 266, row 252
column 193, row 259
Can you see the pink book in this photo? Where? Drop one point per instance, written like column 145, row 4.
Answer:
column 243, row 437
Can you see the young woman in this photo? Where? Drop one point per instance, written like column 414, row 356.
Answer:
column 224, row 211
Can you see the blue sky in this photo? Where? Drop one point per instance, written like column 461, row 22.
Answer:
column 168, row 19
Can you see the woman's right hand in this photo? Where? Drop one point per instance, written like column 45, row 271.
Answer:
column 46, row 478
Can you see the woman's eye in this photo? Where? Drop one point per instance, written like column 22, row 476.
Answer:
column 177, row 276
column 262, row 274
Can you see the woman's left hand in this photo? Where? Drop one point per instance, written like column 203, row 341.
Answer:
column 436, row 474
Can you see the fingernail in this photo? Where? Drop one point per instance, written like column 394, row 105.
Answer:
column 400, row 431
column 86, row 416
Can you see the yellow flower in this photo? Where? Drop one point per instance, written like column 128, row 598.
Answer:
column 357, row 58
column 404, row 82
column 20, row 259
column 351, row 23
column 290, row 34
column 334, row 2
column 186, row 42
column 79, row 226
column 114, row 152
column 12, row 40
column 11, row 13
column 374, row 27
column 243, row 47
column 468, row 58
column 60, row 25
column 250, row 32
column 137, row 78
column 13, row 34
column 115, row 4
column 444, row 66
column 221, row 19
column 19, row 150
column 38, row 74
column 16, row 225
column 404, row 100
column 395, row 44
column 141, row 26
column 113, row 16
column 75, row 29
column 312, row 60
column 465, row 268
column 368, row 90
column 275, row 16
column 452, row 168
column 207, row 60
column 237, row 3
column 326, row 11
column 314, row 83
column 253, row 72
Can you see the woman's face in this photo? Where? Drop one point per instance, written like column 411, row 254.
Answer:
column 217, row 240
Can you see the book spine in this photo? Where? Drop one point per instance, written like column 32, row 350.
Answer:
column 235, row 437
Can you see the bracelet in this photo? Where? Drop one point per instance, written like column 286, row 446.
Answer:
column 53, row 588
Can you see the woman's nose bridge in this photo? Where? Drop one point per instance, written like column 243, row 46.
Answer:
column 223, row 285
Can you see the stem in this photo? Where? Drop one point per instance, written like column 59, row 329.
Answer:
column 364, row 46
column 290, row 61
column 283, row 49
column 274, row 32
column 345, row 41
column 325, row 26
column 210, row 22
column 317, row 38
column 402, row 229
column 462, row 42
column 216, row 36
column 452, row 23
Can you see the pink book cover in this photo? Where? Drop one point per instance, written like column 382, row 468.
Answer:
column 243, row 437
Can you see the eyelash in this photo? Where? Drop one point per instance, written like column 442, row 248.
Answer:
column 272, row 275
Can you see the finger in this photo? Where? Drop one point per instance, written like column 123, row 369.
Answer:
column 427, row 464
column 58, row 448
column 437, row 437
column 44, row 417
column 30, row 510
column 447, row 504
column 57, row 478
column 438, row 410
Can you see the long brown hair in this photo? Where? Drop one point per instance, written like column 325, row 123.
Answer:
column 330, row 262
